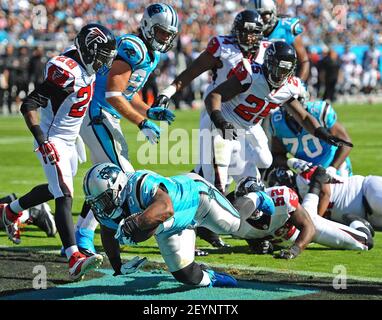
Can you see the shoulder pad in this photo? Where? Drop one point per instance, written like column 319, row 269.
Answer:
column 61, row 70
column 295, row 26
column 131, row 49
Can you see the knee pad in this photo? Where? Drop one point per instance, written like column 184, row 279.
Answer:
column 192, row 274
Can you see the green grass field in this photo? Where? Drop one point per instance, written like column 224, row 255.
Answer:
column 20, row 171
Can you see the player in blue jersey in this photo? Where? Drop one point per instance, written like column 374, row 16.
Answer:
column 131, row 207
column 287, row 29
column 116, row 95
column 289, row 137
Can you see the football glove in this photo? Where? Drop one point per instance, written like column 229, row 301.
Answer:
column 161, row 101
column 161, row 114
column 262, row 247
column 133, row 265
column 150, row 130
column 323, row 134
column 289, row 253
column 48, row 152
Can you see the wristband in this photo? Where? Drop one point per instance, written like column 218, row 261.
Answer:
column 169, row 91
column 217, row 117
column 295, row 250
column 38, row 134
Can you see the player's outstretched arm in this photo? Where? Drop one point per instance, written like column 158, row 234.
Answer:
column 111, row 247
column 301, row 219
column 224, row 92
column 306, row 120
column 206, row 61
column 343, row 151
column 141, row 226
column 302, row 58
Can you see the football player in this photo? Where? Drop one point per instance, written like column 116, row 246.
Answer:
column 221, row 56
column 286, row 29
column 292, row 222
column 63, row 98
column 243, row 100
column 357, row 195
column 289, row 137
column 116, row 95
column 40, row 216
column 132, row 207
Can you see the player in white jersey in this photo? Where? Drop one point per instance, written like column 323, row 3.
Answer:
column 63, row 98
column 221, row 56
column 245, row 99
column 292, row 222
column 356, row 196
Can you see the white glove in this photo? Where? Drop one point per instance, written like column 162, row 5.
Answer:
column 331, row 171
column 133, row 265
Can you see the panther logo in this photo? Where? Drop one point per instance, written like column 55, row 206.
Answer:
column 95, row 34
column 109, row 173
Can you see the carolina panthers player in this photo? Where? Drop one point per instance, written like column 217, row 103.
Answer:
column 292, row 222
column 116, row 95
column 131, row 207
column 63, row 98
column 243, row 100
column 286, row 29
column 289, row 137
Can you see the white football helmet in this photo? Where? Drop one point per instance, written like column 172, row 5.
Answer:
column 267, row 10
column 104, row 187
column 159, row 17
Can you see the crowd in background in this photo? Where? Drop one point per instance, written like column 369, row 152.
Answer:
column 337, row 34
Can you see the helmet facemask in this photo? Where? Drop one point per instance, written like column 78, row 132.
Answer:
column 159, row 44
column 249, row 38
column 107, row 204
column 278, row 71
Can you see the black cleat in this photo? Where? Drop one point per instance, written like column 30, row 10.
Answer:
column 370, row 240
column 349, row 218
column 42, row 217
column 219, row 243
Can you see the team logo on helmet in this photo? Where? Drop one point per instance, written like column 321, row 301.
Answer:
column 95, row 34
column 154, row 9
column 109, row 173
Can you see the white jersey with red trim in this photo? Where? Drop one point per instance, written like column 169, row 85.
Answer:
column 226, row 49
column 286, row 202
column 346, row 198
column 63, row 115
column 254, row 104
column 260, row 54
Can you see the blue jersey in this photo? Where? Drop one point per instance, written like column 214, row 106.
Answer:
column 132, row 50
column 286, row 29
column 302, row 144
column 141, row 190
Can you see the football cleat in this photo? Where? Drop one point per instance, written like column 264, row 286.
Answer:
column 370, row 240
column 219, row 243
column 84, row 239
column 79, row 264
column 349, row 218
column 42, row 217
column 221, row 279
column 11, row 223
column 298, row 165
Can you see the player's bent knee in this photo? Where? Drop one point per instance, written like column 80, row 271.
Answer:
column 191, row 275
